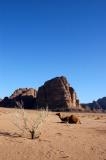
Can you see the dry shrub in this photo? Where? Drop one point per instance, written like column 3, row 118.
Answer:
column 28, row 125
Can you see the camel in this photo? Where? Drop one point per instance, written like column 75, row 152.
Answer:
column 69, row 119
column 63, row 119
column 74, row 119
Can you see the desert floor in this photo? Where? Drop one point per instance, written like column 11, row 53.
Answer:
column 58, row 141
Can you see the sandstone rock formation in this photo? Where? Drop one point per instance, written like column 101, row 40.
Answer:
column 57, row 94
column 23, row 92
column 102, row 103
column 22, row 97
column 99, row 105
column 7, row 102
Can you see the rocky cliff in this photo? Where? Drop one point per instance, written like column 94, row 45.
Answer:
column 22, row 97
column 57, row 94
column 99, row 105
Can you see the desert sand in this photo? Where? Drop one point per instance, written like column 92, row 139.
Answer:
column 58, row 141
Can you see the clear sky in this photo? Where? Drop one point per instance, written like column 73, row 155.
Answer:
column 41, row 39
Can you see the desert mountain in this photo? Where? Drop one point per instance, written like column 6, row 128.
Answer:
column 56, row 94
column 22, row 97
column 100, row 105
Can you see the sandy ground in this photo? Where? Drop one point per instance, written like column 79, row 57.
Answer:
column 58, row 141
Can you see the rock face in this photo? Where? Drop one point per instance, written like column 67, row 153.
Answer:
column 102, row 103
column 98, row 105
column 57, row 95
column 23, row 92
column 7, row 102
column 22, row 97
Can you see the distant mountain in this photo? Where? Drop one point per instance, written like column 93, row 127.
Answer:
column 56, row 94
column 100, row 105
column 22, row 97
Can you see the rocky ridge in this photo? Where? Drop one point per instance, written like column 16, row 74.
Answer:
column 56, row 94
column 99, row 105
column 22, row 97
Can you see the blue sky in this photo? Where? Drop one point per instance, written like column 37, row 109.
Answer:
column 41, row 39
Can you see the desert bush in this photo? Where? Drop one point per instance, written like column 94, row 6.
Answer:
column 28, row 125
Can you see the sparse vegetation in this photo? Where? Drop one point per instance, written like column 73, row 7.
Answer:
column 28, row 125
